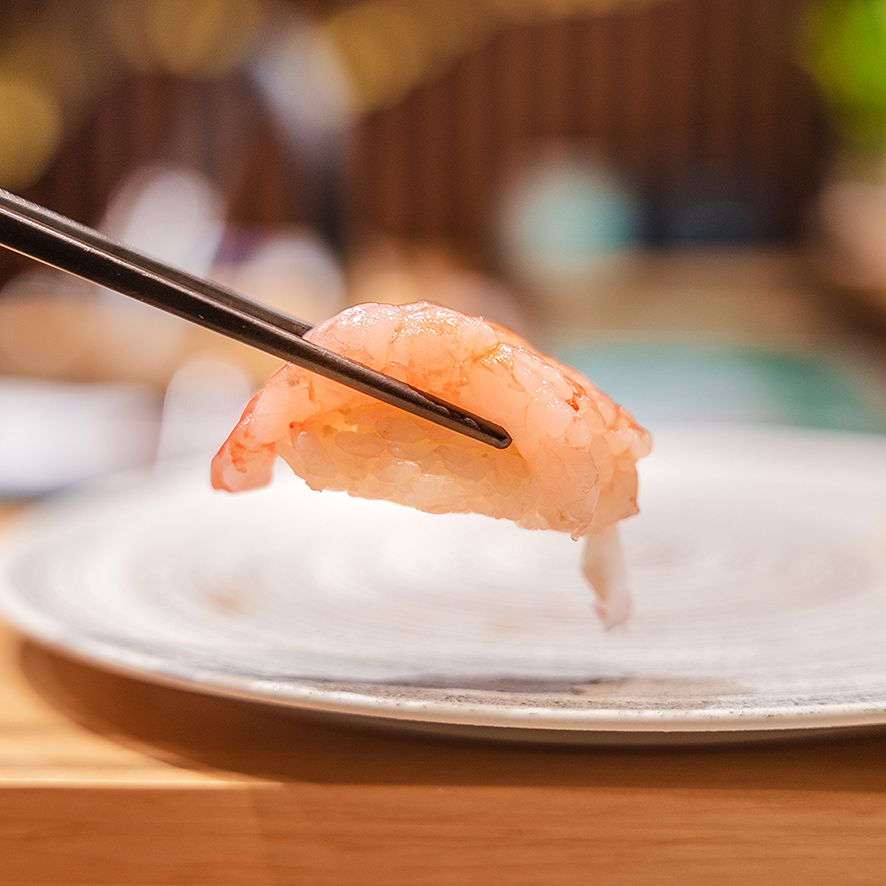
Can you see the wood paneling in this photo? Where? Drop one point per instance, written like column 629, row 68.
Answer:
column 677, row 94
column 683, row 93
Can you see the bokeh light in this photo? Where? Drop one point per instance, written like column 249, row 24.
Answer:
column 385, row 47
column 564, row 219
column 197, row 38
column 31, row 132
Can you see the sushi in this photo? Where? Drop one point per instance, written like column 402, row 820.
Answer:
column 571, row 467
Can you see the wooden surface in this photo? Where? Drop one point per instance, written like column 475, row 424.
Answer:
column 107, row 780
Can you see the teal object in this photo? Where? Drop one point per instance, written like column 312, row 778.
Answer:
column 708, row 383
column 577, row 215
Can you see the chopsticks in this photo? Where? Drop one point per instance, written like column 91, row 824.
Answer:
column 57, row 241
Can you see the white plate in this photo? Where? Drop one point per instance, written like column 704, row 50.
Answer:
column 758, row 569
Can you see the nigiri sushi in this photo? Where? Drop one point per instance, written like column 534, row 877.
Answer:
column 571, row 466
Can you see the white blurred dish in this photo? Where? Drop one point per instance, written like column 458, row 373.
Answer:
column 57, row 434
column 758, row 567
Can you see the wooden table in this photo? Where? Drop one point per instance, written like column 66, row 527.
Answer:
column 106, row 780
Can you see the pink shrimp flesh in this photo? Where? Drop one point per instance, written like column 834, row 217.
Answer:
column 571, row 467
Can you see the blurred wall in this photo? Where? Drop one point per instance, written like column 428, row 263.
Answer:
column 688, row 99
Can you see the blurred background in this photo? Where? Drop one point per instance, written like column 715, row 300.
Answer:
column 684, row 198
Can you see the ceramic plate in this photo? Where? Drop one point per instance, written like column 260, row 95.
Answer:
column 758, row 570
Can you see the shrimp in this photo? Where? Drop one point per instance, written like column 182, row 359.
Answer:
column 571, row 466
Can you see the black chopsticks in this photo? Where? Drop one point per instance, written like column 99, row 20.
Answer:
column 57, row 241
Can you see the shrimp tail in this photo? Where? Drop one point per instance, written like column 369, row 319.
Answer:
column 603, row 567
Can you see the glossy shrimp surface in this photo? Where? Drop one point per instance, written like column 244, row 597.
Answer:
column 571, row 466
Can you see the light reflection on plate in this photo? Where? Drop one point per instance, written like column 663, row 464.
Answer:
column 758, row 568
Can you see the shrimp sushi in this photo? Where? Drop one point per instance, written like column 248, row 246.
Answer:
column 570, row 468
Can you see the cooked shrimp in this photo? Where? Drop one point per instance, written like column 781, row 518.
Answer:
column 571, row 466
